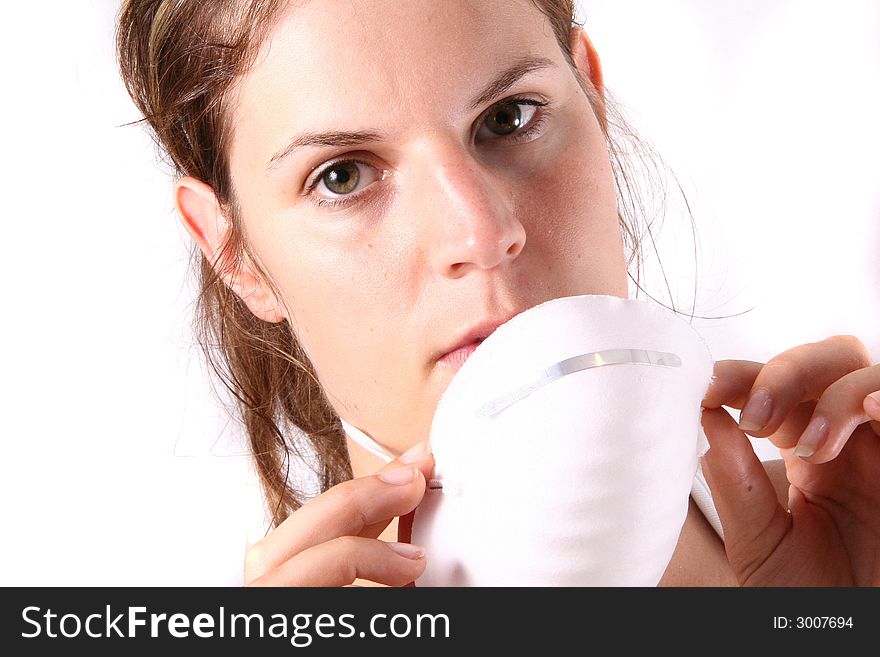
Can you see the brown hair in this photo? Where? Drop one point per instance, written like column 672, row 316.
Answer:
column 178, row 59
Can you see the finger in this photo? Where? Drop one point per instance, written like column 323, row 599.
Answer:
column 788, row 434
column 839, row 411
column 797, row 375
column 871, row 404
column 342, row 560
column 420, row 456
column 363, row 505
column 752, row 519
column 731, row 382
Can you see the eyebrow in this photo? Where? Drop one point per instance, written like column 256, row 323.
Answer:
column 501, row 83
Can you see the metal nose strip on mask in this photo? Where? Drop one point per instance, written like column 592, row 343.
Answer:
column 577, row 364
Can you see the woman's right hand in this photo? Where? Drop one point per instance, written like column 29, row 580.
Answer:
column 333, row 539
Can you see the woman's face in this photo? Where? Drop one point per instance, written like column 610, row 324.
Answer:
column 466, row 204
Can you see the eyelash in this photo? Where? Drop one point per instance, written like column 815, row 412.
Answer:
column 516, row 138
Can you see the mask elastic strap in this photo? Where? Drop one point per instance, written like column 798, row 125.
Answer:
column 366, row 442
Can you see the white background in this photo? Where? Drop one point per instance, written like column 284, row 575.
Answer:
column 119, row 468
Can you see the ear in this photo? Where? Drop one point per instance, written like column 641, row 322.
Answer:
column 203, row 219
column 587, row 59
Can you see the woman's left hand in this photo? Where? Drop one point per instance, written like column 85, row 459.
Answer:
column 813, row 403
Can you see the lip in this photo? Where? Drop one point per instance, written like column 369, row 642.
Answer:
column 464, row 346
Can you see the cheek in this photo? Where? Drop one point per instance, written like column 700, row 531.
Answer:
column 322, row 282
column 344, row 296
column 572, row 219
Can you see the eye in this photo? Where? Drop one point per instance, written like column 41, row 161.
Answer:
column 507, row 119
column 342, row 178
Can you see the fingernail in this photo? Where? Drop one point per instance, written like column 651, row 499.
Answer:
column 399, row 477
column 875, row 397
column 416, row 453
column 813, row 437
column 407, row 550
column 757, row 411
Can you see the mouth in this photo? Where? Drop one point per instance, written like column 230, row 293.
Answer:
column 455, row 355
column 456, row 358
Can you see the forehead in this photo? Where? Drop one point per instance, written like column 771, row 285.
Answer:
column 355, row 64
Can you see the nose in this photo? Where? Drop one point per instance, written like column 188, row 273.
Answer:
column 469, row 215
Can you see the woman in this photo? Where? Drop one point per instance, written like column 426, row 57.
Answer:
column 375, row 186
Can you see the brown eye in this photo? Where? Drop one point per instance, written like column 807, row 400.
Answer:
column 505, row 119
column 342, row 178
column 513, row 121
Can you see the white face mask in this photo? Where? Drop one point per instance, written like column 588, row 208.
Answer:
column 566, row 448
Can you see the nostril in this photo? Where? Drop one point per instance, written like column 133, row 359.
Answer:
column 456, row 267
column 516, row 247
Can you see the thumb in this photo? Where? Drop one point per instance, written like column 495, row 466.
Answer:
column 753, row 521
column 419, row 455
column 871, row 404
